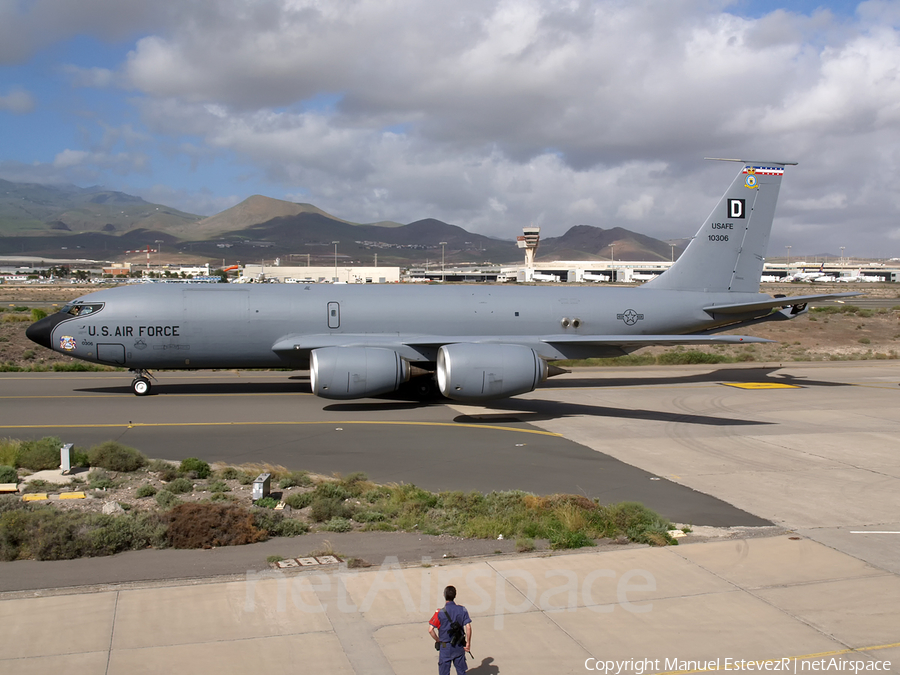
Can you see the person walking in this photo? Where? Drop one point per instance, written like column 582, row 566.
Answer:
column 451, row 630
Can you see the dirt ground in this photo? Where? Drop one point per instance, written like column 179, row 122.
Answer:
column 814, row 337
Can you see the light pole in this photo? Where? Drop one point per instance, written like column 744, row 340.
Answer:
column 443, row 244
column 788, row 255
column 335, row 259
column 842, row 255
column 673, row 252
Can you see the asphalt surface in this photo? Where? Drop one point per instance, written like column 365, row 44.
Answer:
column 809, row 447
column 265, row 417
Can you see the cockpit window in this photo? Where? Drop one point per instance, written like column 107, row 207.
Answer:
column 78, row 309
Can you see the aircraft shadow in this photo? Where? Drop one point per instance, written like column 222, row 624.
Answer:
column 533, row 410
column 763, row 375
column 378, row 406
column 162, row 387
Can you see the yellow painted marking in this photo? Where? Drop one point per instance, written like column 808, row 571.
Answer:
column 35, row 497
column 760, row 385
column 135, row 425
column 8, row 487
column 72, row 495
column 836, row 652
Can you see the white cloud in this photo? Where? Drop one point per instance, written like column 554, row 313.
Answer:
column 99, row 78
column 18, row 101
column 494, row 114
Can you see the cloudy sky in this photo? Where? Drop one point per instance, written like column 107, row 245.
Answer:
column 488, row 114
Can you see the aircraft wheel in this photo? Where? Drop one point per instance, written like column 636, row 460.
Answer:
column 140, row 386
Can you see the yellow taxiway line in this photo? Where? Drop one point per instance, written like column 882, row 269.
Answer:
column 148, row 425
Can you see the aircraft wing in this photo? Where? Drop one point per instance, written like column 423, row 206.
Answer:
column 305, row 343
column 744, row 307
column 651, row 340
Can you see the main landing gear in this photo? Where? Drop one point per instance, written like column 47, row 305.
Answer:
column 141, row 383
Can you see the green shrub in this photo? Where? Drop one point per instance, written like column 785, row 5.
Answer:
column 37, row 314
column 356, row 484
column 80, row 458
column 98, row 479
column 325, row 508
column 114, row 456
column 166, row 472
column 9, row 451
column 180, row 486
column 146, row 490
column 8, row 474
column 36, row 486
column 640, row 524
column 338, row 525
column 295, row 479
column 166, row 500
column 197, row 467
column 230, row 473
column 299, row 500
column 218, row 486
column 266, row 503
column 562, row 539
column 331, row 490
column 40, row 455
column 274, row 524
column 45, row 533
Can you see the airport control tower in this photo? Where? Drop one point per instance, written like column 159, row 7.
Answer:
column 529, row 241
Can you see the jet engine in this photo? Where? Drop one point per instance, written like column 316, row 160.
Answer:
column 479, row 372
column 355, row 372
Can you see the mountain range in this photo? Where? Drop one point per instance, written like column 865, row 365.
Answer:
column 42, row 220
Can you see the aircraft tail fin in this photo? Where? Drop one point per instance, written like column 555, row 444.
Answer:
column 728, row 251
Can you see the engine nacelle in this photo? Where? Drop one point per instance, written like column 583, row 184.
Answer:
column 355, row 372
column 480, row 372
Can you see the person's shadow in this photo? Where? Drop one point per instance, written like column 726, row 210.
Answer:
column 486, row 667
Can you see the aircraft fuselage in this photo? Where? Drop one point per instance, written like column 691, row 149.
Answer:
column 168, row 326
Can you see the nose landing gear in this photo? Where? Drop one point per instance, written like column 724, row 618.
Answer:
column 141, row 383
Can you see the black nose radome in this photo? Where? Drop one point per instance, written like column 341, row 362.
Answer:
column 41, row 331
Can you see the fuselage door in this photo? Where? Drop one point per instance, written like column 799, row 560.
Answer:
column 334, row 315
column 111, row 353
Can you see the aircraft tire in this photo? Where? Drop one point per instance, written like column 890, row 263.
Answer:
column 140, row 386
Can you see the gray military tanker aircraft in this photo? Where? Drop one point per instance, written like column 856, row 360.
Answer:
column 477, row 342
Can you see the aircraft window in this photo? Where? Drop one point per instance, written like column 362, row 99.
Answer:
column 82, row 310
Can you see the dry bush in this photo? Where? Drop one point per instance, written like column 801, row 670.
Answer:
column 209, row 525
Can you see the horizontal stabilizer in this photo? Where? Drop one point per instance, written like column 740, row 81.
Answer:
column 745, row 307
